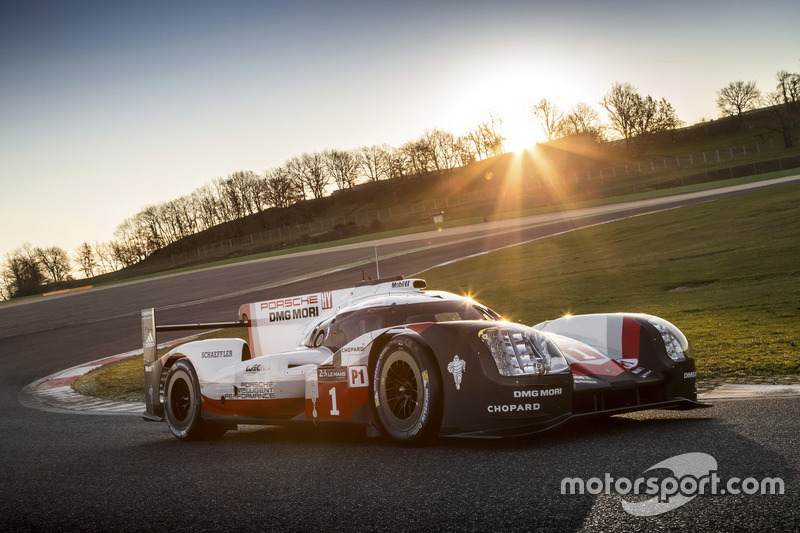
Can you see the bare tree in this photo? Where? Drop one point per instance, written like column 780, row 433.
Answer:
column 418, row 154
column 55, row 263
column 22, row 273
column 784, row 105
column 634, row 116
column 463, row 150
column 431, row 143
column 397, row 164
column 653, row 116
column 246, row 192
column 738, row 97
column 86, row 260
column 314, row 177
column 343, row 166
column 281, row 188
column 207, row 207
column 148, row 225
column 130, row 245
column 445, row 149
column 621, row 103
column 182, row 216
column 374, row 162
column 230, row 198
column 6, row 283
column 295, row 168
column 581, row 119
column 107, row 257
column 549, row 116
column 486, row 137
column 788, row 86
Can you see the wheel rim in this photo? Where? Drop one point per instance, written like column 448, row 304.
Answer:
column 402, row 391
column 180, row 400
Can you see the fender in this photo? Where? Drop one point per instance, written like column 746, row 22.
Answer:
column 627, row 338
column 210, row 356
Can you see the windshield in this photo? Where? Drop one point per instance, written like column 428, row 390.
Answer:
column 345, row 327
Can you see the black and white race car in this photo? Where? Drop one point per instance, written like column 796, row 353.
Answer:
column 413, row 364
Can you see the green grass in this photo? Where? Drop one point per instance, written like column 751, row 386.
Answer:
column 725, row 272
column 124, row 380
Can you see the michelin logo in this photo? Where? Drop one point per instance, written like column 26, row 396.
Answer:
column 457, row 367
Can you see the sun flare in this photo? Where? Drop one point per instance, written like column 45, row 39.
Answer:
column 521, row 133
column 506, row 91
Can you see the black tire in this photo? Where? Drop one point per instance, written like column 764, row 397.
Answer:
column 182, row 391
column 407, row 391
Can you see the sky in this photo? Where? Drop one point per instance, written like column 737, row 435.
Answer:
column 107, row 107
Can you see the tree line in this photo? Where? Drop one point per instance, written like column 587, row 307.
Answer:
column 632, row 118
column 244, row 193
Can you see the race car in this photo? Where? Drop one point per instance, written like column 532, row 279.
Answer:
column 412, row 364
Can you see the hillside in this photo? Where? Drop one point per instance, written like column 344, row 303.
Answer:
column 555, row 174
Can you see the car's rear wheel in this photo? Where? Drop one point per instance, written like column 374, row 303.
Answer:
column 183, row 405
column 407, row 391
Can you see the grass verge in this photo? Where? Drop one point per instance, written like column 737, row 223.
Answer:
column 123, row 380
column 725, row 272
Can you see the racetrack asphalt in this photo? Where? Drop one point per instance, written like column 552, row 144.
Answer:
column 65, row 471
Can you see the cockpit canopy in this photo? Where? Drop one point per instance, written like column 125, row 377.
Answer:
column 350, row 324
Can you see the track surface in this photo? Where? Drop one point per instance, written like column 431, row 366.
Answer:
column 95, row 472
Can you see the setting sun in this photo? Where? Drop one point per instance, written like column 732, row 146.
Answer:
column 521, row 132
column 507, row 91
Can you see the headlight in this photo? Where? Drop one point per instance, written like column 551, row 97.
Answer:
column 521, row 351
column 674, row 340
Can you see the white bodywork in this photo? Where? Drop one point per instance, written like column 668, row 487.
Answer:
column 281, row 366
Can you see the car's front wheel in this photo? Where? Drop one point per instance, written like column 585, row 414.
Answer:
column 407, row 391
column 183, row 405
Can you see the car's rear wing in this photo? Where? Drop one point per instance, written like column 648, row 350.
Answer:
column 153, row 366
